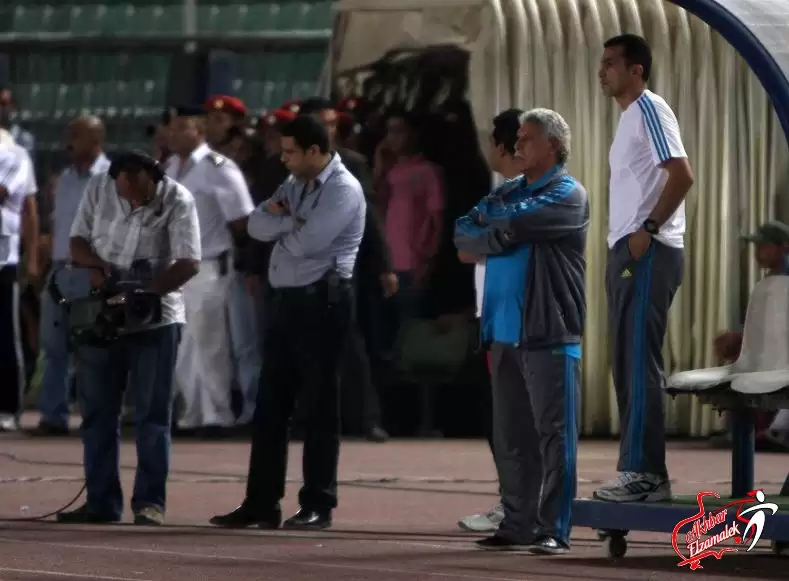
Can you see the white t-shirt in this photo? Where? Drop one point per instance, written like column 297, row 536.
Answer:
column 647, row 136
column 479, row 285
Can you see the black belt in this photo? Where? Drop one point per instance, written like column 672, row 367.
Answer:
column 316, row 288
column 222, row 260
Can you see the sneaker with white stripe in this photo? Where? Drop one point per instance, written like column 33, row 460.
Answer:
column 483, row 523
column 635, row 487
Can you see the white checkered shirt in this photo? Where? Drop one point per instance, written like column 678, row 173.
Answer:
column 161, row 232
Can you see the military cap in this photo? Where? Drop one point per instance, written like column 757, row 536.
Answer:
column 348, row 105
column 277, row 118
column 226, row 104
column 772, row 232
column 292, row 105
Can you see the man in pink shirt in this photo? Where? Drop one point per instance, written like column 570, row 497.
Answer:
column 412, row 196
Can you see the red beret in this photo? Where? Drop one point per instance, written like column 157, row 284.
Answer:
column 292, row 105
column 349, row 104
column 277, row 118
column 226, row 104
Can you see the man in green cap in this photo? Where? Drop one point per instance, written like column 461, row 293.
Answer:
column 771, row 242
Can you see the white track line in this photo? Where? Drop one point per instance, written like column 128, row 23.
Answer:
column 68, row 575
column 312, row 565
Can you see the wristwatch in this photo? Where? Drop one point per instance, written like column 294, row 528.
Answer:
column 651, row 227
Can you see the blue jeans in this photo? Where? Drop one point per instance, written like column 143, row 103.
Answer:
column 54, row 332
column 149, row 358
column 244, row 326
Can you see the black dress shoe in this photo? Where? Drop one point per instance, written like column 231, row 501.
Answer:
column 83, row 515
column 46, row 430
column 307, row 519
column 499, row 543
column 243, row 517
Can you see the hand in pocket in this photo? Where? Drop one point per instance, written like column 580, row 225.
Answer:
column 638, row 243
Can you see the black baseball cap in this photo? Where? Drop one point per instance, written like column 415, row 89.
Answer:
column 772, row 232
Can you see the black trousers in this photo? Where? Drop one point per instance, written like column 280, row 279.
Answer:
column 12, row 362
column 361, row 374
column 304, row 345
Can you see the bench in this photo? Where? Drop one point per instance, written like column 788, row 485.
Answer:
column 757, row 380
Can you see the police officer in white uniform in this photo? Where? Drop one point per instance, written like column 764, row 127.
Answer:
column 204, row 368
column 18, row 217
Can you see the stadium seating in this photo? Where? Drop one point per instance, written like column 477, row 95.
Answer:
column 112, row 18
column 128, row 88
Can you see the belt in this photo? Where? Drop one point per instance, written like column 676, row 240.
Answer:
column 223, row 260
column 315, row 288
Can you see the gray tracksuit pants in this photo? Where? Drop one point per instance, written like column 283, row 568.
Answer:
column 639, row 295
column 535, row 432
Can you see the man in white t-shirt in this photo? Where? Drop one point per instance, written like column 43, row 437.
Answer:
column 650, row 177
column 502, row 160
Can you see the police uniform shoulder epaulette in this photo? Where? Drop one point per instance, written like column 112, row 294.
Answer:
column 217, row 158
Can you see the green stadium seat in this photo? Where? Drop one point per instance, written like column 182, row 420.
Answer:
column 214, row 19
column 159, row 19
column 119, row 19
column 124, row 99
column 59, row 19
column 262, row 17
column 88, row 20
column 320, row 16
column 298, row 16
column 62, row 101
column 28, row 19
column 289, row 15
column 42, row 99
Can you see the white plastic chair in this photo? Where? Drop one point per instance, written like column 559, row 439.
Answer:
column 763, row 364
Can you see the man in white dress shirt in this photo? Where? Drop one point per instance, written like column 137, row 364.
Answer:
column 204, row 371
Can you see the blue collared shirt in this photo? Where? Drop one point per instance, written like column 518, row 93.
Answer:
column 68, row 193
column 323, row 228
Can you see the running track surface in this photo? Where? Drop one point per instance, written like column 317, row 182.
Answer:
column 399, row 503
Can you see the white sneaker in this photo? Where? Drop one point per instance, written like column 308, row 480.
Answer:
column 635, row 487
column 483, row 523
column 8, row 423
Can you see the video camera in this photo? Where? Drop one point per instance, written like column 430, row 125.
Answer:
column 118, row 308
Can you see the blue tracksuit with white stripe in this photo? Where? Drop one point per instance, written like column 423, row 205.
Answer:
column 533, row 237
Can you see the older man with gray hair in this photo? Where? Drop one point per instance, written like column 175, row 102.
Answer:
column 532, row 233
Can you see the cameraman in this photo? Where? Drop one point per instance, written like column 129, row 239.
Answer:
column 132, row 214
